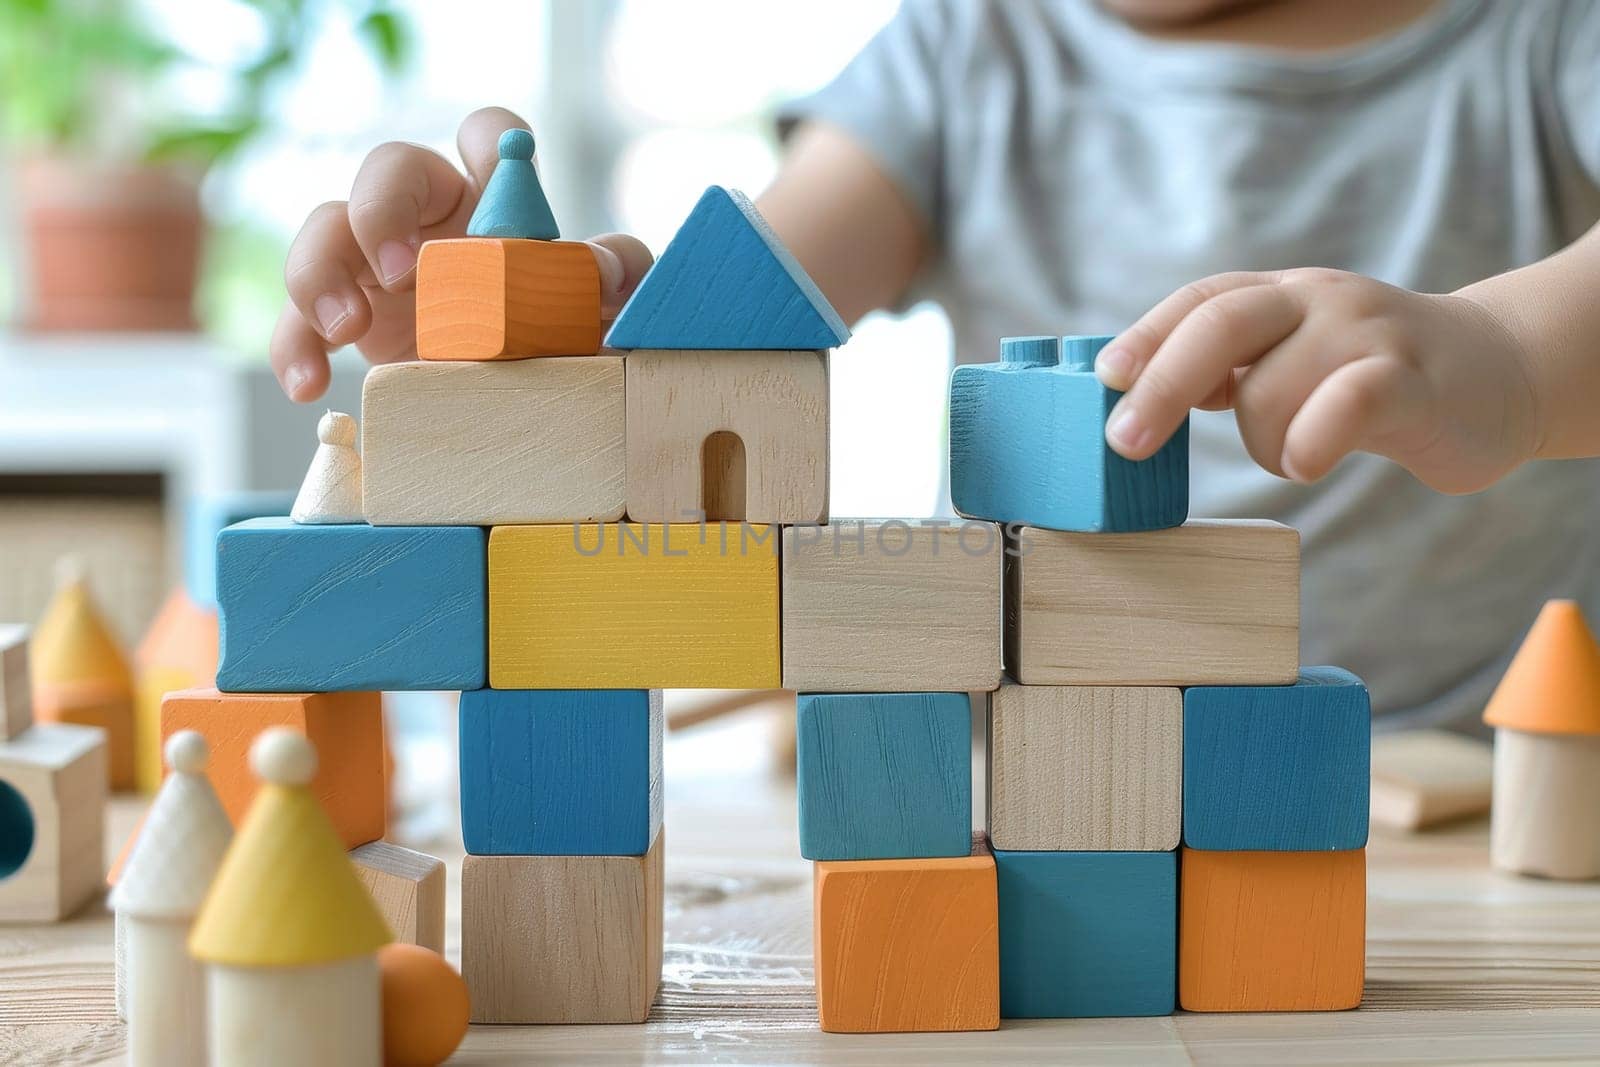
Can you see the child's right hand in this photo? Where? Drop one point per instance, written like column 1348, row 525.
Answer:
column 351, row 272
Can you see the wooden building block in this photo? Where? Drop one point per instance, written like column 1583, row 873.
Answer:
column 884, row 775
column 322, row 608
column 874, row 605
column 908, row 945
column 728, row 435
column 346, row 728
column 562, row 939
column 726, row 281
column 330, row 492
column 484, row 298
column 16, row 692
column 1211, row 602
column 513, row 202
column 1028, row 445
column 408, row 888
column 207, row 516
column 1272, row 931
column 629, row 606
column 52, row 805
column 1422, row 778
column 484, row 444
column 1085, row 768
column 1278, row 768
column 558, row 772
column 1087, row 934
column 179, row 651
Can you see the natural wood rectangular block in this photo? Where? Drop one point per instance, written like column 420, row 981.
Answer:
column 483, row 298
column 52, row 814
column 16, row 695
column 885, row 605
column 408, row 888
column 1211, row 602
column 629, row 606
column 1085, row 768
column 483, row 444
column 562, row 939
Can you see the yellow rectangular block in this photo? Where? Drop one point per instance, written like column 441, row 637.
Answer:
column 634, row 606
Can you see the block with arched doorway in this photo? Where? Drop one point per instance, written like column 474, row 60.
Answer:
column 52, row 801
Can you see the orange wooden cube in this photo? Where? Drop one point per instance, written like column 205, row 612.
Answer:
column 908, row 945
column 346, row 728
column 486, row 298
column 1272, row 931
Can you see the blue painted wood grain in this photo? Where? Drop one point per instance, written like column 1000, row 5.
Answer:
column 1087, row 934
column 327, row 608
column 1283, row 768
column 1027, row 445
column 560, row 772
column 513, row 202
column 208, row 515
column 884, row 775
column 726, row 281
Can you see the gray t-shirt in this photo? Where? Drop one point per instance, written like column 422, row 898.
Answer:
column 1072, row 172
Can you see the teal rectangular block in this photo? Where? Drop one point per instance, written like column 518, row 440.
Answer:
column 884, row 775
column 329, row 608
column 1087, row 934
column 1028, row 446
column 1278, row 768
column 207, row 516
column 560, row 772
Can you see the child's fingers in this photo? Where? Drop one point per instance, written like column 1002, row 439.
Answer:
column 1352, row 408
column 299, row 357
column 478, row 142
column 623, row 261
column 1231, row 330
column 1269, row 392
column 400, row 189
column 321, row 275
column 1120, row 363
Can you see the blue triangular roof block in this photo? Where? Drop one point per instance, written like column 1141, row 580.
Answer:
column 726, row 281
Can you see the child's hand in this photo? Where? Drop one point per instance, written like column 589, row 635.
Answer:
column 351, row 272
column 1321, row 363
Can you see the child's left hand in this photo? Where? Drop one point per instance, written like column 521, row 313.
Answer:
column 1317, row 364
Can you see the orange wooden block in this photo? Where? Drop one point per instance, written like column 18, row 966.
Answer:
column 482, row 298
column 908, row 945
column 346, row 728
column 1272, row 931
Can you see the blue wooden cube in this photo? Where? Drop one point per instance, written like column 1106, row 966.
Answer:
column 1278, row 768
column 1028, row 445
column 884, row 775
column 326, row 608
column 560, row 772
column 1087, row 934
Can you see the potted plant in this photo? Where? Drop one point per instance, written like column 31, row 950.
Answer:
column 106, row 186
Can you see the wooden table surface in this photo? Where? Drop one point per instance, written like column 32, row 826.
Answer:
column 1464, row 965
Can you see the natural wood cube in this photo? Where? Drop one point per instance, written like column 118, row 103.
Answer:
column 408, row 888
column 52, row 811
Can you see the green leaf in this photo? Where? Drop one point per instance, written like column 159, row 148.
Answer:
column 201, row 144
column 389, row 37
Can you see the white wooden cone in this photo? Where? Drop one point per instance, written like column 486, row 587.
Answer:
column 331, row 492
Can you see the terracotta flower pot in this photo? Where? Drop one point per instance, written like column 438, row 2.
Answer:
column 108, row 247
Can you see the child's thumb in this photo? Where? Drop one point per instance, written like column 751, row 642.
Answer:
column 623, row 261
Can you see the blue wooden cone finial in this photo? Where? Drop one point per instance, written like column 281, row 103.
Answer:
column 513, row 203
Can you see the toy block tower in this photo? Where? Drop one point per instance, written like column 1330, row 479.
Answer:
column 1154, row 699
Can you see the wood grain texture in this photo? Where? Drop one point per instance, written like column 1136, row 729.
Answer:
column 776, row 403
column 1271, row 931
column 884, row 775
column 1087, row 934
column 494, row 299
column 1422, row 778
column 321, row 608
column 324, row 1016
column 1211, row 602
column 1546, row 817
column 204, row 518
column 629, row 606
column 51, row 817
column 874, row 605
column 907, row 945
column 485, row 444
column 562, row 939
column 726, row 281
column 1028, row 445
column 346, row 728
column 1085, row 768
column 552, row 772
column 409, row 889
column 16, row 696
column 1278, row 768
column 166, row 995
